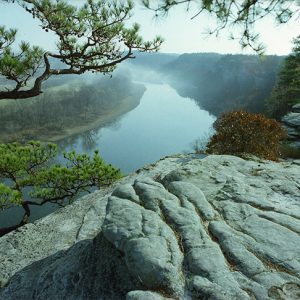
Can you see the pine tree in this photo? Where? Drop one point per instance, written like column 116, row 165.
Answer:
column 287, row 90
column 31, row 166
column 236, row 15
column 92, row 37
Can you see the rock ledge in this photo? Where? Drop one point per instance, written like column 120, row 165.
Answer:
column 187, row 227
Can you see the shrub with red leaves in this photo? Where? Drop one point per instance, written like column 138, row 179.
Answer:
column 241, row 132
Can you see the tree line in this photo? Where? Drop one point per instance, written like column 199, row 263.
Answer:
column 220, row 83
column 65, row 106
column 96, row 37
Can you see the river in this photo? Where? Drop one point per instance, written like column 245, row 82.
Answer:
column 164, row 123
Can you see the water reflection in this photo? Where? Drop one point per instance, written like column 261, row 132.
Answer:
column 89, row 140
column 163, row 124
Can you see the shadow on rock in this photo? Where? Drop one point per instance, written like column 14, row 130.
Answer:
column 89, row 270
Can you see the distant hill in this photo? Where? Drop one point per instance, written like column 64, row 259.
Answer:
column 224, row 82
column 154, row 60
column 217, row 82
column 146, row 66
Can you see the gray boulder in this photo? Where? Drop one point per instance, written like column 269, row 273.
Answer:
column 292, row 119
column 296, row 108
column 187, row 227
column 292, row 132
column 291, row 122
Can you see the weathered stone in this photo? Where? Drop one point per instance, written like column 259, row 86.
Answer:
column 145, row 295
column 292, row 132
column 292, row 119
column 291, row 123
column 184, row 228
column 150, row 248
column 296, row 108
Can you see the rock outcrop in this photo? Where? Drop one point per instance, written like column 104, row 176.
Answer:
column 187, row 227
column 291, row 123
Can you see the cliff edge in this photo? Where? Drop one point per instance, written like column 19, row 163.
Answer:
column 186, row 227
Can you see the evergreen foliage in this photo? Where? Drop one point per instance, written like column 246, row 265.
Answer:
column 64, row 106
column 92, row 37
column 32, row 165
column 287, row 90
column 241, row 132
column 239, row 16
column 221, row 83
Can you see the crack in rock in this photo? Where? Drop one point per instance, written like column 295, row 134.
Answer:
column 214, row 228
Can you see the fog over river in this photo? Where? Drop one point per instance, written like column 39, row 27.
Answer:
column 164, row 123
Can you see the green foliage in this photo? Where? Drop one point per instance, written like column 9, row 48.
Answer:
column 31, row 165
column 21, row 161
column 81, row 172
column 287, row 91
column 22, row 65
column 65, row 105
column 241, row 132
column 221, row 83
column 239, row 16
column 7, row 37
column 92, row 37
column 9, row 197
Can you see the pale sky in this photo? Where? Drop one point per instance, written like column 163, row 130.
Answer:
column 181, row 34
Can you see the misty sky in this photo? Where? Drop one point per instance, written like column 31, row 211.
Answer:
column 181, row 34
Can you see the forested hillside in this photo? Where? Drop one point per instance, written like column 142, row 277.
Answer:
column 224, row 82
column 286, row 93
column 66, row 104
column 217, row 82
column 154, row 60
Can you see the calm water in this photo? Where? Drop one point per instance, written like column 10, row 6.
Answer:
column 164, row 123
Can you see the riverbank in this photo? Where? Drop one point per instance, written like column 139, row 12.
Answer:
column 80, row 123
column 127, row 104
column 162, row 124
column 109, row 242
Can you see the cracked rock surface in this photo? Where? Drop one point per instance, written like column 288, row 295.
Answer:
column 218, row 227
column 291, row 122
